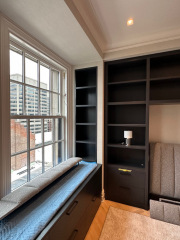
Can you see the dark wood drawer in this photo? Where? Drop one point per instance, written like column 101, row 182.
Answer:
column 83, row 225
column 125, row 187
column 129, row 196
column 67, row 227
column 125, row 179
column 66, row 223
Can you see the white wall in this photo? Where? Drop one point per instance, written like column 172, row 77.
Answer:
column 164, row 123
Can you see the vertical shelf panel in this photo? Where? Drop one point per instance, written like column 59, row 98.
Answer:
column 86, row 114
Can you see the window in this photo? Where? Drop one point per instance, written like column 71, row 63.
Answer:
column 37, row 112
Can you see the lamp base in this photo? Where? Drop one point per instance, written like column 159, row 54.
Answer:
column 127, row 141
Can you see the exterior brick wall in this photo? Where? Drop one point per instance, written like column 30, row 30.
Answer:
column 19, row 143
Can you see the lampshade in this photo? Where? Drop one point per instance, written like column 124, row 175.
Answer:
column 128, row 134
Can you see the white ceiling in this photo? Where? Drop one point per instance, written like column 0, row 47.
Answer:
column 52, row 23
column 96, row 26
column 154, row 21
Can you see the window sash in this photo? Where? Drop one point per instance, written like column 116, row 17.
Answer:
column 52, row 94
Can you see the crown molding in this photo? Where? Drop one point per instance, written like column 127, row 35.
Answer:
column 161, row 45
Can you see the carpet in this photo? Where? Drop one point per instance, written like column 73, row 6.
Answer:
column 124, row 225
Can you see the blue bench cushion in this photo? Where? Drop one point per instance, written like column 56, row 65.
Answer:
column 21, row 195
column 29, row 220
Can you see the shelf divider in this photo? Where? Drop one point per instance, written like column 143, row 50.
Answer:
column 126, row 125
column 127, row 103
column 127, row 82
column 118, row 145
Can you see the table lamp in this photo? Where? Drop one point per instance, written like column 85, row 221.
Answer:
column 128, row 135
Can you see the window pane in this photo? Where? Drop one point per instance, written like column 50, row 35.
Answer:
column 18, row 170
column 44, row 102
column 58, row 153
column 55, row 81
column 58, row 129
column 48, row 130
column 31, row 68
column 44, row 77
column 35, row 163
column 35, row 133
column 16, row 99
column 18, row 135
column 31, row 101
column 16, row 65
column 48, row 159
column 55, row 102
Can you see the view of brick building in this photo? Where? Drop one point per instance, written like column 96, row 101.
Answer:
column 19, row 143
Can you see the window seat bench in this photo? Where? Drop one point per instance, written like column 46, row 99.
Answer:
column 55, row 212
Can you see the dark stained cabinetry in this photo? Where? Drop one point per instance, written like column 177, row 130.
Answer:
column 131, row 85
column 86, row 113
column 126, row 109
column 75, row 217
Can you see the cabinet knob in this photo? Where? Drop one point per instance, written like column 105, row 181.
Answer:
column 124, row 170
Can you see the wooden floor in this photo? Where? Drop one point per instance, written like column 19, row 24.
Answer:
column 98, row 222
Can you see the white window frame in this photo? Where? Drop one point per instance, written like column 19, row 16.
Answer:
column 7, row 27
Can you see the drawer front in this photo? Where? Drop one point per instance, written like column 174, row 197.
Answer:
column 67, row 222
column 130, row 196
column 116, row 176
column 66, row 226
column 125, row 187
column 84, row 223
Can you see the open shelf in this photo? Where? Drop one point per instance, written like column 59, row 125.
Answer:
column 87, row 133
column 127, row 114
column 169, row 89
column 86, row 77
column 127, row 93
column 87, row 152
column 86, row 96
column 126, row 156
column 127, row 71
column 165, row 66
column 86, row 115
column 116, row 135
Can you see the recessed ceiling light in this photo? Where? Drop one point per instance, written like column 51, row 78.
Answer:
column 130, row 22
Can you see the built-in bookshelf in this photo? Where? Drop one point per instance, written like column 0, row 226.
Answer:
column 86, row 113
column 131, row 85
column 126, row 109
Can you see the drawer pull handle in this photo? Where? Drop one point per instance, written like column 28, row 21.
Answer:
column 73, row 235
column 72, row 208
column 124, row 170
column 94, row 198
